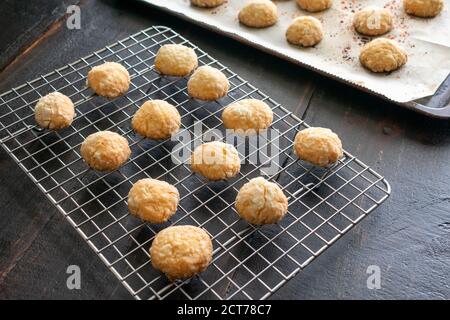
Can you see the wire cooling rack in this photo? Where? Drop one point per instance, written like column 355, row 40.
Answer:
column 249, row 262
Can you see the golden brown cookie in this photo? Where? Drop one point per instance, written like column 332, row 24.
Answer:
column 314, row 5
column 216, row 160
column 319, row 146
column 259, row 14
column 105, row 150
column 208, row 83
column 175, row 60
column 373, row 21
column 181, row 251
column 153, row 200
column 109, row 80
column 54, row 111
column 382, row 55
column 156, row 119
column 207, row 3
column 261, row 202
column 423, row 8
column 305, row 31
column 247, row 116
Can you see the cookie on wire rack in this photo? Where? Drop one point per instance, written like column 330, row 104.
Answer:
column 54, row 111
column 181, row 251
column 152, row 200
column 105, row 150
column 208, row 83
column 157, row 120
column 319, row 146
column 175, row 60
column 216, row 161
column 261, row 202
column 109, row 79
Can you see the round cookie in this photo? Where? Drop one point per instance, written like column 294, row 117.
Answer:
column 207, row 3
column 109, row 80
column 247, row 115
column 258, row 14
column 54, row 111
column 423, row 8
column 216, row 160
column 382, row 55
column 156, row 119
column 314, row 5
column 105, row 150
column 175, row 60
column 261, row 202
column 319, row 146
column 153, row 200
column 181, row 251
column 305, row 31
column 208, row 83
column 373, row 21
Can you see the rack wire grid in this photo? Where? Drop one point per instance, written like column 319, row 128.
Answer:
column 249, row 262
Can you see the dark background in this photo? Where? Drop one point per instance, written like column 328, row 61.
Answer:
column 408, row 237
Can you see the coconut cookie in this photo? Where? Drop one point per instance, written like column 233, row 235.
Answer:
column 382, row 55
column 54, row 111
column 261, row 202
column 153, row 200
column 156, row 119
column 373, row 21
column 181, row 251
column 319, row 146
column 314, row 5
column 247, row 115
column 216, row 160
column 305, row 31
column 258, row 14
column 105, row 150
column 423, row 8
column 109, row 80
column 207, row 3
column 175, row 60
column 208, row 83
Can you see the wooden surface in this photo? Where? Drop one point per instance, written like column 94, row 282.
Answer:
column 408, row 237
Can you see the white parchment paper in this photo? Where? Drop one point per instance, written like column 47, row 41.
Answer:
column 427, row 42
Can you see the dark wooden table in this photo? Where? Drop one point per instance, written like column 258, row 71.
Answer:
column 408, row 237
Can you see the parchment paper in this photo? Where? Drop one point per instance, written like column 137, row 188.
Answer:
column 427, row 42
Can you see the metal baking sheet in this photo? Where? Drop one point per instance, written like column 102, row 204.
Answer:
column 435, row 105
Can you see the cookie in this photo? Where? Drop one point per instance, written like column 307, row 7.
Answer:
column 181, row 251
column 105, row 150
column 382, row 55
column 314, row 5
column 261, row 202
column 207, row 3
column 423, row 8
column 216, row 161
column 208, row 83
column 175, row 60
column 247, row 116
column 258, row 14
column 54, row 111
column 109, row 80
column 373, row 21
column 305, row 31
column 319, row 146
column 153, row 200
column 157, row 120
